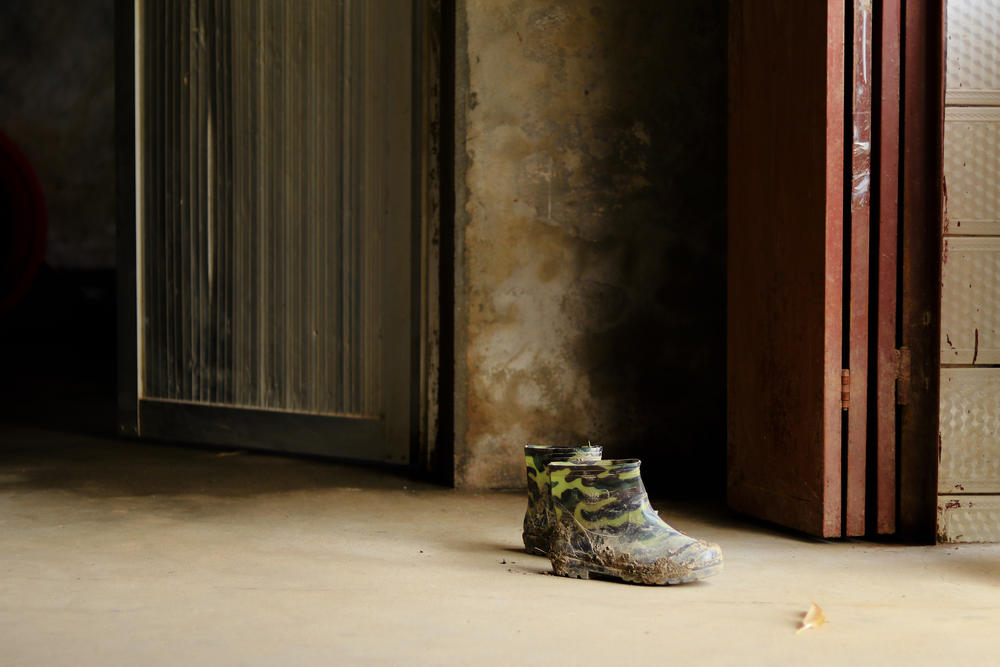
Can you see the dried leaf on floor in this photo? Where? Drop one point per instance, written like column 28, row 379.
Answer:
column 813, row 618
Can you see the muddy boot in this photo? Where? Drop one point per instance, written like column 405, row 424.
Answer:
column 605, row 525
column 539, row 517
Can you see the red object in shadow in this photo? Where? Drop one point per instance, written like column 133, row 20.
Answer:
column 23, row 224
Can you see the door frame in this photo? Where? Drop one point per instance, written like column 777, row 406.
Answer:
column 214, row 424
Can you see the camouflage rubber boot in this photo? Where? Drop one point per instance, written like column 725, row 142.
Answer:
column 605, row 525
column 538, row 518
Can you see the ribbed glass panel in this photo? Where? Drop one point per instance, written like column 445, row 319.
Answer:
column 260, row 228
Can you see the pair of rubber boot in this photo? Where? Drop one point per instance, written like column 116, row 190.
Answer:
column 592, row 516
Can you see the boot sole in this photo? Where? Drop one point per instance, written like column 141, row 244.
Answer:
column 578, row 569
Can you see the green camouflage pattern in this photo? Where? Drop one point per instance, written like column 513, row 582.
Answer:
column 605, row 525
column 538, row 518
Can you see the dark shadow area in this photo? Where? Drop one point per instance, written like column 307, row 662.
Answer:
column 59, row 349
column 714, row 511
column 35, row 459
column 57, row 327
column 58, row 413
column 664, row 358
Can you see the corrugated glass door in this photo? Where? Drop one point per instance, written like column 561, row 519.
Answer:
column 274, row 224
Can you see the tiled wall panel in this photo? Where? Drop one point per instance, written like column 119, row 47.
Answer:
column 973, row 44
column 970, row 430
column 970, row 301
column 971, row 165
column 968, row 518
column 969, row 437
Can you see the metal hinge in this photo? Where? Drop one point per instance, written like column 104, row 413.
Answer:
column 845, row 389
column 903, row 376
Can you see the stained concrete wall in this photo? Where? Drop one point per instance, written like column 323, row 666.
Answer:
column 57, row 88
column 591, row 235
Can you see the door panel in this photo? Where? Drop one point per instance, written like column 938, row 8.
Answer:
column 785, row 262
column 784, row 419
column 970, row 431
column 860, row 251
column 253, row 242
column 804, row 282
column 275, row 229
column 885, row 193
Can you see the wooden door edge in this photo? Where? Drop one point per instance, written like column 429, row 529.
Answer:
column 920, row 259
column 883, row 399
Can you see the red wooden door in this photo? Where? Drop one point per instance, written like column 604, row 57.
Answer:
column 887, row 359
column 785, row 262
column 800, row 140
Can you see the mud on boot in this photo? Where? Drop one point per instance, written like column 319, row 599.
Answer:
column 539, row 517
column 605, row 525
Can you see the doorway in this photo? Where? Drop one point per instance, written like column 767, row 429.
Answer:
column 272, row 222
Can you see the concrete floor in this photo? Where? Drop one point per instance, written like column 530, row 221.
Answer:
column 120, row 553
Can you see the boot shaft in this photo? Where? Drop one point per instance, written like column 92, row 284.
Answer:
column 538, row 457
column 606, row 494
column 539, row 516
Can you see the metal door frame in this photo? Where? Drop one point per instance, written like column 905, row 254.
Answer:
column 199, row 423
